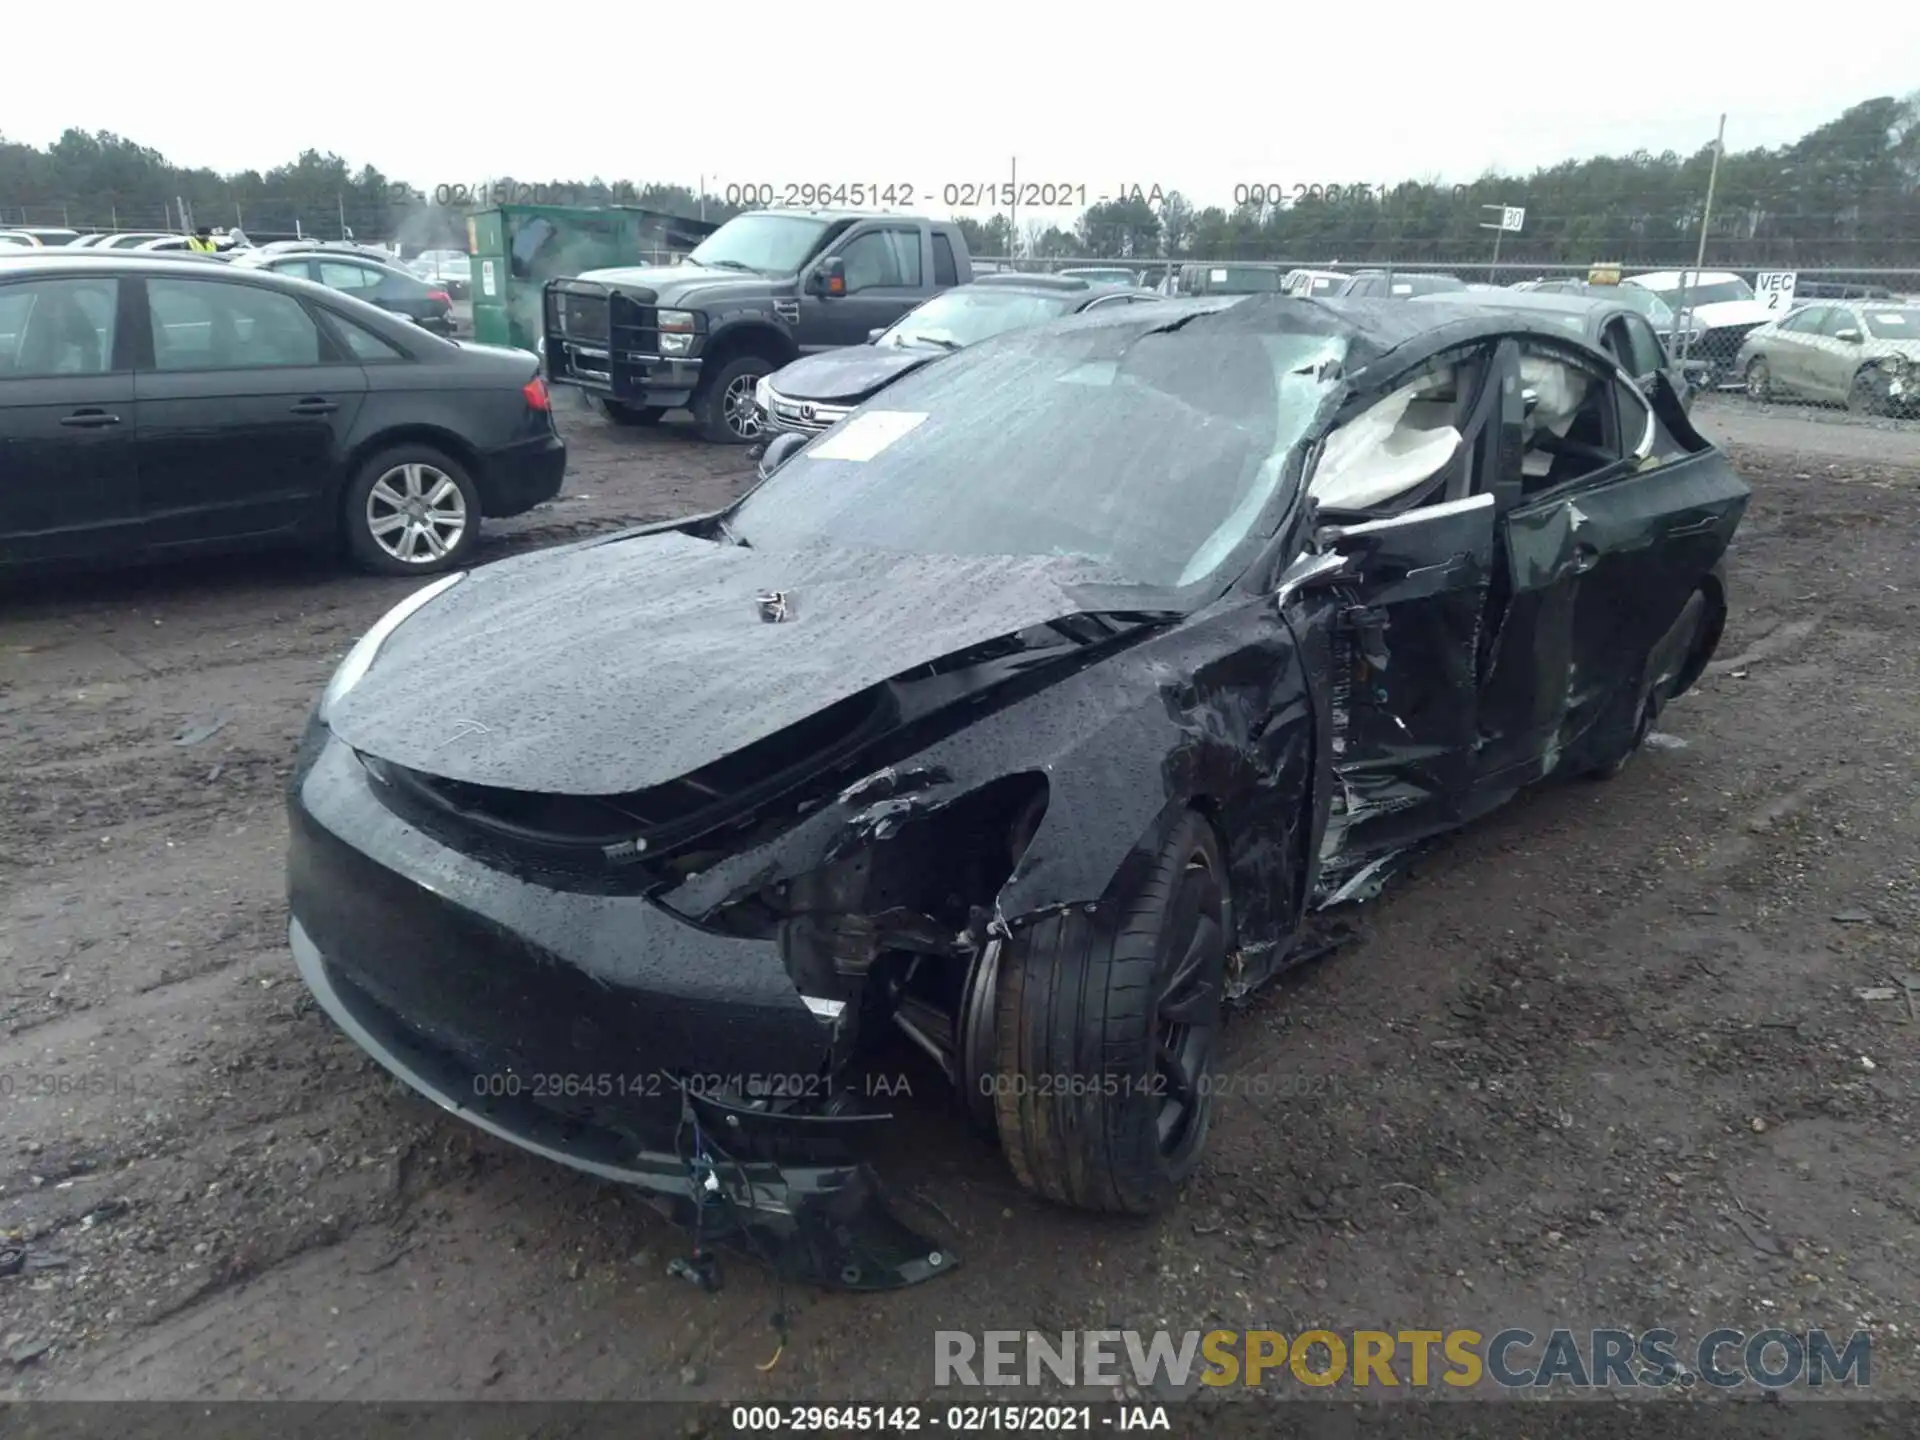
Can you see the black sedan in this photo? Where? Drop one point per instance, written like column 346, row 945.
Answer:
column 154, row 407
column 1607, row 321
column 815, row 391
column 388, row 286
column 1031, row 714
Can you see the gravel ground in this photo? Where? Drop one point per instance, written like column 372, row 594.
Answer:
column 1600, row 1060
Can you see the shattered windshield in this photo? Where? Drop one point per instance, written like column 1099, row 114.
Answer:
column 967, row 316
column 1151, row 455
column 1657, row 311
column 770, row 244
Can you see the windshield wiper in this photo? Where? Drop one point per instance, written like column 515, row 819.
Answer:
column 932, row 340
column 729, row 534
column 728, row 265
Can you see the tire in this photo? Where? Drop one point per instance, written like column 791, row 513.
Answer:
column 1759, row 380
column 379, row 492
column 1081, row 1009
column 732, row 421
column 1610, row 767
column 619, row 414
column 1672, row 662
column 1863, row 396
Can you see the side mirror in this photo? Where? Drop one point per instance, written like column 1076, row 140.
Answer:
column 1850, row 335
column 828, row 278
column 873, row 335
column 779, row 450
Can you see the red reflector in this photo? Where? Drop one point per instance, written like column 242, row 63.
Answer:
column 536, row 392
column 441, row 296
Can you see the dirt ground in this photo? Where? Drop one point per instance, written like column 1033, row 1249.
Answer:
column 1600, row 1060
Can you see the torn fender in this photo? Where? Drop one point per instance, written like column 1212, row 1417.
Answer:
column 1214, row 713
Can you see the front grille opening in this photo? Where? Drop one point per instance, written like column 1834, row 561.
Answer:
column 581, row 316
column 664, row 816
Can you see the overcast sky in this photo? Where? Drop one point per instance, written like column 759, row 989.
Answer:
column 1207, row 98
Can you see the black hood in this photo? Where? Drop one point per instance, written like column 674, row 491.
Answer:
column 621, row 666
column 690, row 285
column 851, row 374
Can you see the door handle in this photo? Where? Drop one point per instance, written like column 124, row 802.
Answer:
column 90, row 419
column 315, row 406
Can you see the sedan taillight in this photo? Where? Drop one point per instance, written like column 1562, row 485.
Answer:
column 536, row 392
column 442, row 296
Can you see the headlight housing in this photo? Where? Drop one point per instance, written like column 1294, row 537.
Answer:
column 676, row 332
column 367, row 648
column 763, row 394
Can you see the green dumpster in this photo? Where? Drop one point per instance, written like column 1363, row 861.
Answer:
column 517, row 249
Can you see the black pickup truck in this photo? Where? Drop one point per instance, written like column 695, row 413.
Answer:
column 764, row 289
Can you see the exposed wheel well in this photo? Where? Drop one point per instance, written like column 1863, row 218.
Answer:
column 762, row 340
column 1715, row 589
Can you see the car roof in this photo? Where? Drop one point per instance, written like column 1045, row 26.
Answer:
column 1387, row 332
column 134, row 262
column 272, row 257
column 55, row 257
column 1672, row 277
column 1550, row 300
column 1051, row 284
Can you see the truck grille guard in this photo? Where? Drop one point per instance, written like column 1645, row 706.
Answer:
column 594, row 334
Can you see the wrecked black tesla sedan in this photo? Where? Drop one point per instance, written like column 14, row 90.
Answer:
column 1033, row 713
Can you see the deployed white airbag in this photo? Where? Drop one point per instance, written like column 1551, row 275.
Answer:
column 1386, row 452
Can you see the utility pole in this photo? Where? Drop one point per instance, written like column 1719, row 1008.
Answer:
column 1687, row 282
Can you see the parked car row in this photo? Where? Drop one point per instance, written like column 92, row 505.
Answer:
column 1037, row 706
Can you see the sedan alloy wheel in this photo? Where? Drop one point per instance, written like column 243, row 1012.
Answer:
column 416, row 513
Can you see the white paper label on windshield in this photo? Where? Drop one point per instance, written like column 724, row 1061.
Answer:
column 1406, row 289
column 1216, row 277
column 865, row 436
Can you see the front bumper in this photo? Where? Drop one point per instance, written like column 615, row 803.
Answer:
column 522, row 475
column 594, row 1030
column 624, row 378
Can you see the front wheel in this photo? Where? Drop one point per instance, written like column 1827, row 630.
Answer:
column 725, row 406
column 1105, row 1038
column 1864, row 395
column 411, row 510
column 1759, row 380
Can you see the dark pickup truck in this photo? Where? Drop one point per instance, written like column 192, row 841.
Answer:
column 764, row 289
